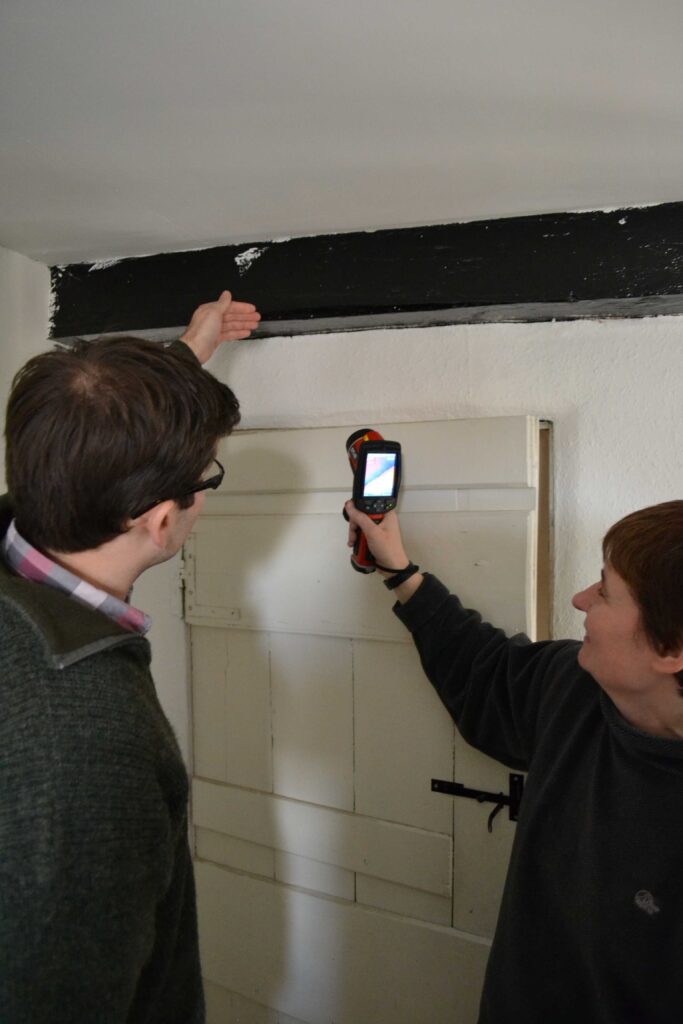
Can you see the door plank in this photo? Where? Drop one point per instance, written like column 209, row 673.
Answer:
column 396, row 853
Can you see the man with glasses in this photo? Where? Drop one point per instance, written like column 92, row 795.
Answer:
column 110, row 450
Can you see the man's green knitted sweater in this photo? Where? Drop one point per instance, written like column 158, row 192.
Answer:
column 97, row 902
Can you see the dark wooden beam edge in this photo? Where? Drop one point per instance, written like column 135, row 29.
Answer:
column 621, row 263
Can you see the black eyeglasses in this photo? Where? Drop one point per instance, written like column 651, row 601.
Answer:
column 211, row 483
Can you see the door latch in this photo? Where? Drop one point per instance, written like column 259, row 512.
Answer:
column 512, row 800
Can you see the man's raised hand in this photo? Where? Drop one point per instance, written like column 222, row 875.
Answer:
column 213, row 323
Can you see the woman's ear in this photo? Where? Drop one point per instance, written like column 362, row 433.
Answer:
column 669, row 664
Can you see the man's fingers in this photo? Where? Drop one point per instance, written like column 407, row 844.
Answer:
column 232, row 327
column 240, row 319
column 246, row 320
column 228, row 327
column 235, row 335
column 240, row 308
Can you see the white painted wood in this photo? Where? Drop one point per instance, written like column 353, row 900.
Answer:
column 425, row 499
column 480, row 858
column 287, row 569
column 480, row 861
column 312, row 719
column 291, row 573
column 468, row 453
column 225, row 1007
column 312, row 874
column 210, row 726
column 320, row 959
column 403, row 738
column 356, row 732
column 482, row 556
column 235, row 853
column 475, row 769
column 231, row 700
column 396, row 853
column 400, row 899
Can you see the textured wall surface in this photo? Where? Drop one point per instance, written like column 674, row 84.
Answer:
column 24, row 320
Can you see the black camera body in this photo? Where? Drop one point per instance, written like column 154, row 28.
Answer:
column 377, row 477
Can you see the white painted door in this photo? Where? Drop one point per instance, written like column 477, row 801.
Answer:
column 333, row 885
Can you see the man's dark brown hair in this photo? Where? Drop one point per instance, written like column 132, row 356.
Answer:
column 98, row 431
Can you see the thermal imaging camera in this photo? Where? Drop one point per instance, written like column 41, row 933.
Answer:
column 376, row 466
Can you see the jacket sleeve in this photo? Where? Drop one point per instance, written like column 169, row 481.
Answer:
column 493, row 686
column 179, row 348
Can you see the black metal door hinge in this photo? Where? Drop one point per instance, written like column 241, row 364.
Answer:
column 512, row 800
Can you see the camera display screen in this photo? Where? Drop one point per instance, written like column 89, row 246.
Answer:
column 380, row 473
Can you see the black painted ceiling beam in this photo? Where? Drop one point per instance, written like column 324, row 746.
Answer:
column 625, row 263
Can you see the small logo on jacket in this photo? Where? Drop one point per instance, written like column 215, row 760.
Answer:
column 646, row 902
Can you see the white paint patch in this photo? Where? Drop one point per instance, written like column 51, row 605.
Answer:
column 612, row 209
column 249, row 256
column 103, row 264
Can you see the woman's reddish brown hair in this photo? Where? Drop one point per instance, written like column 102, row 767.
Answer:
column 646, row 549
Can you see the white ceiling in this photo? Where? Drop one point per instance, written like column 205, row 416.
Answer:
column 138, row 126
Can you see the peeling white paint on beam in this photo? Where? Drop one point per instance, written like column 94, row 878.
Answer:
column 103, row 264
column 245, row 259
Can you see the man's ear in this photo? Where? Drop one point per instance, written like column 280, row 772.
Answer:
column 158, row 522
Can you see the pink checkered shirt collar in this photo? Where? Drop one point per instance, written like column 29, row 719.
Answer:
column 32, row 564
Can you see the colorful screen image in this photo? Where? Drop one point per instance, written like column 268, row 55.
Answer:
column 380, row 469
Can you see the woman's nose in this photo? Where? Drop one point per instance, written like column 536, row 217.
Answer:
column 582, row 601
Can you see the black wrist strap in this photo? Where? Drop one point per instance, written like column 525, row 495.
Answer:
column 385, row 568
column 401, row 575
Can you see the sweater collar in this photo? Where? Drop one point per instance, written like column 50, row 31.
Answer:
column 30, row 563
column 68, row 630
column 639, row 742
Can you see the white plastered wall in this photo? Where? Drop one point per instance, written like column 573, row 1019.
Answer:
column 611, row 388
column 24, row 320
